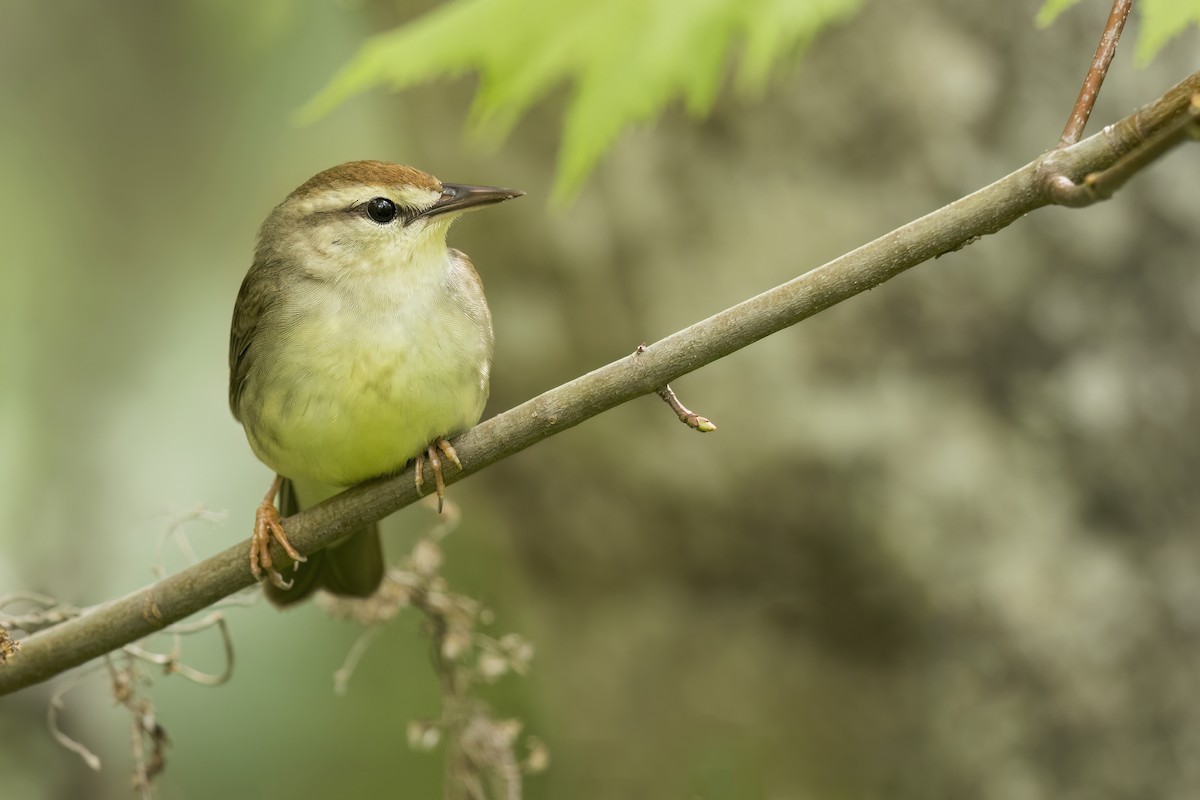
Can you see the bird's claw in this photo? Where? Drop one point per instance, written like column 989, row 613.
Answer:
column 435, row 464
column 268, row 526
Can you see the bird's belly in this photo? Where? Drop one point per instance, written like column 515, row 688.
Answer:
column 354, row 409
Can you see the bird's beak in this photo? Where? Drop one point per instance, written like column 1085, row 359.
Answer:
column 462, row 196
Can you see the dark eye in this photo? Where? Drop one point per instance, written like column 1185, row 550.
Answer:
column 381, row 210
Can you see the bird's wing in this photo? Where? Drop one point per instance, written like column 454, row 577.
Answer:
column 259, row 292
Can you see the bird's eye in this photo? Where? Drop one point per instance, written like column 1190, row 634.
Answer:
column 381, row 210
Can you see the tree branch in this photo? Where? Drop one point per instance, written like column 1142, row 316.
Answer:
column 111, row 625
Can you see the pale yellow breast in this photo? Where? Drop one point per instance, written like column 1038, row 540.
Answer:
column 369, row 371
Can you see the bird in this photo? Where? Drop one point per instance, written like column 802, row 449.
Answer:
column 360, row 341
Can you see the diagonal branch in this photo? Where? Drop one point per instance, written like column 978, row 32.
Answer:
column 111, row 625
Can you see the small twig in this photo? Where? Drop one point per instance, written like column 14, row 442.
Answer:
column 341, row 678
column 50, row 613
column 149, row 738
column 171, row 663
column 1095, row 76
column 144, row 726
column 177, row 531
column 36, row 598
column 481, row 761
column 689, row 418
column 56, row 705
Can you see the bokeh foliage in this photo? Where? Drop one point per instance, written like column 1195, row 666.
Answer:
column 625, row 60
column 1161, row 20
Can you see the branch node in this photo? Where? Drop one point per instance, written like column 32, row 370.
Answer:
column 689, row 418
column 1061, row 190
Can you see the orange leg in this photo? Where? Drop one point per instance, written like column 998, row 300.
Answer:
column 268, row 526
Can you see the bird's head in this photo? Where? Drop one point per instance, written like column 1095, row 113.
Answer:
column 369, row 215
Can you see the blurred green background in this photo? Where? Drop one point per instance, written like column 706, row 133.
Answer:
column 943, row 544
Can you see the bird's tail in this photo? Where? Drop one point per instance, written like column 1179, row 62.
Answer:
column 352, row 568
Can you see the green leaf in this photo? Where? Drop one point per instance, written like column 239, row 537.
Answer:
column 1050, row 11
column 625, row 61
column 775, row 26
column 1162, row 20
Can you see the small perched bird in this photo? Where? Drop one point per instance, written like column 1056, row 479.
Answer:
column 359, row 341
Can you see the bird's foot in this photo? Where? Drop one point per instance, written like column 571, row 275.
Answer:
column 268, row 526
column 435, row 464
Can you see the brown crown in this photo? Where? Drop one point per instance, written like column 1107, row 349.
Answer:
column 370, row 173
